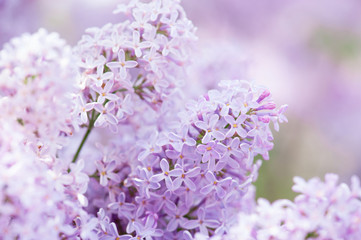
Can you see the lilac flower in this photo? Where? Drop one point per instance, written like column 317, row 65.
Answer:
column 112, row 234
column 164, row 200
column 125, row 8
column 211, row 151
column 149, row 147
column 151, row 162
column 146, row 231
column 178, row 141
column 267, row 106
column 201, row 222
column 106, row 116
column 281, row 117
column 153, row 59
column 170, row 47
column 121, row 205
column 236, row 126
column 86, row 226
column 60, row 179
column 233, row 149
column 137, row 45
column 143, row 203
column 259, row 129
column 103, row 220
column 216, row 185
column 106, row 172
column 186, row 195
column 186, row 155
column 80, row 182
column 171, row 21
column 85, row 108
column 211, row 131
column 264, row 95
column 176, row 236
column 122, row 64
column 177, row 218
column 90, row 63
column 105, row 92
column 166, row 174
column 185, row 177
column 76, row 171
column 132, row 219
column 248, row 104
column 115, row 42
column 141, row 20
column 144, row 183
column 124, row 106
column 100, row 77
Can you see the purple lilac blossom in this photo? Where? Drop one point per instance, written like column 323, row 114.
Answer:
column 322, row 210
column 42, row 195
column 36, row 83
column 179, row 184
column 128, row 60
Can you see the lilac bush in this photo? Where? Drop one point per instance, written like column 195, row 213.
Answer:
column 101, row 142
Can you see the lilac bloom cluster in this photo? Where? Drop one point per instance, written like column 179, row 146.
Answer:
column 30, row 207
column 322, row 210
column 42, row 195
column 36, row 79
column 39, row 200
column 191, row 178
column 140, row 61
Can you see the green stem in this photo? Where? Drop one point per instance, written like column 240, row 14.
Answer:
column 82, row 143
column 90, row 127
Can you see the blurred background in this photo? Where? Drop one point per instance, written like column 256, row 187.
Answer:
column 308, row 53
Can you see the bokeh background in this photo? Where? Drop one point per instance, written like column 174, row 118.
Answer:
column 308, row 53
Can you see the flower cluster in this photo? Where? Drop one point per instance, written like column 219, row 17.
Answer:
column 191, row 179
column 42, row 196
column 29, row 203
column 137, row 62
column 36, row 79
column 323, row 210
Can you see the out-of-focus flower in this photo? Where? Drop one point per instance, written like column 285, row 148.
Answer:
column 322, row 210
